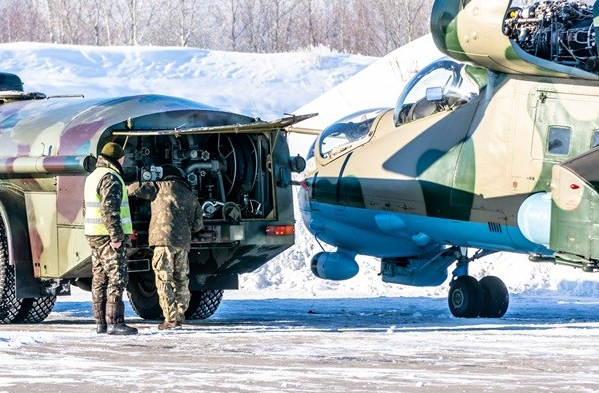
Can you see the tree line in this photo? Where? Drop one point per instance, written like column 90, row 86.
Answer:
column 368, row 27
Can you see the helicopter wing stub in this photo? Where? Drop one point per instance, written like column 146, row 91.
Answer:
column 226, row 129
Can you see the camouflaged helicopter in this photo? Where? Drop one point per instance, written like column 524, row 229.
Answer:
column 493, row 148
column 238, row 166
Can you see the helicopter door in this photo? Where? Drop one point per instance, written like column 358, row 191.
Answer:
column 563, row 128
column 575, row 208
column 563, row 125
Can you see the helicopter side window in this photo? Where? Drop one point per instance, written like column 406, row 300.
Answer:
column 595, row 139
column 346, row 131
column 558, row 141
column 441, row 86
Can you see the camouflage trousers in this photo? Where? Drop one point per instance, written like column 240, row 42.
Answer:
column 171, row 267
column 109, row 269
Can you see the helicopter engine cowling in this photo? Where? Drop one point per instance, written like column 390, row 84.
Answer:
column 334, row 266
column 547, row 38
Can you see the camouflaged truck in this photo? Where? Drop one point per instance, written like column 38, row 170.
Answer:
column 238, row 166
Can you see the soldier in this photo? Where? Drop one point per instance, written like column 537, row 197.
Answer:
column 107, row 229
column 176, row 213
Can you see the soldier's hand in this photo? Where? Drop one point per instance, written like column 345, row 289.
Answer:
column 116, row 245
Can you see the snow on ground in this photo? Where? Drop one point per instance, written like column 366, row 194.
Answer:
column 284, row 330
column 388, row 344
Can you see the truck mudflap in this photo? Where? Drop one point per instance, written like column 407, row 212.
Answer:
column 574, row 234
column 16, row 234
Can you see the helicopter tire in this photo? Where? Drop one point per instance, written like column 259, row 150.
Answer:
column 9, row 303
column 496, row 297
column 465, row 297
column 35, row 310
column 204, row 303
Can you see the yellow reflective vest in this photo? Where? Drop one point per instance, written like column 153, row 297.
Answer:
column 94, row 226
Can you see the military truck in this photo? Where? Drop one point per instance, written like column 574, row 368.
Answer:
column 238, row 166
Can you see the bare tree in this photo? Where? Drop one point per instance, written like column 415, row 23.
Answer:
column 314, row 15
column 252, row 21
column 283, row 15
column 232, row 24
column 65, row 21
column 139, row 17
column 188, row 16
column 402, row 20
column 96, row 17
column 370, row 27
column 179, row 23
column 21, row 21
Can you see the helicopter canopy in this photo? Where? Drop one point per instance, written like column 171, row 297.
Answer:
column 440, row 86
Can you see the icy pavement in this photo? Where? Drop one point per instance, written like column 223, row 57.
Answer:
column 411, row 344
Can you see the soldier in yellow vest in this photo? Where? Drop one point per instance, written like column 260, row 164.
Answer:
column 107, row 229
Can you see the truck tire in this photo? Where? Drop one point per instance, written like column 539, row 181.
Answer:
column 9, row 303
column 203, row 303
column 35, row 310
column 143, row 297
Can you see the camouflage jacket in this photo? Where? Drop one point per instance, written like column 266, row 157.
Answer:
column 176, row 212
column 110, row 190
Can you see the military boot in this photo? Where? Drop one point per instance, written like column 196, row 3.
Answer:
column 115, row 318
column 99, row 310
column 173, row 325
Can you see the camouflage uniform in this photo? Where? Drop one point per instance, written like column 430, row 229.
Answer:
column 176, row 213
column 109, row 266
column 109, row 269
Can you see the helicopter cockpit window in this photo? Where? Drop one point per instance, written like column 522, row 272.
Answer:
column 440, row 86
column 559, row 140
column 346, row 131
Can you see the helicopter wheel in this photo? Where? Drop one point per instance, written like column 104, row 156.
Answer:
column 496, row 297
column 466, row 297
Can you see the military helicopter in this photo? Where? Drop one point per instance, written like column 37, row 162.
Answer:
column 491, row 148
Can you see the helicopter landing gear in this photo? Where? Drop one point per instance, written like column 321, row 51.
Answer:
column 496, row 297
column 465, row 297
column 471, row 298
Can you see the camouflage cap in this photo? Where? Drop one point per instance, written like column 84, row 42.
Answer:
column 113, row 150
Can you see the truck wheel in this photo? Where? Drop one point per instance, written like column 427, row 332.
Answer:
column 143, row 297
column 9, row 303
column 35, row 310
column 203, row 303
